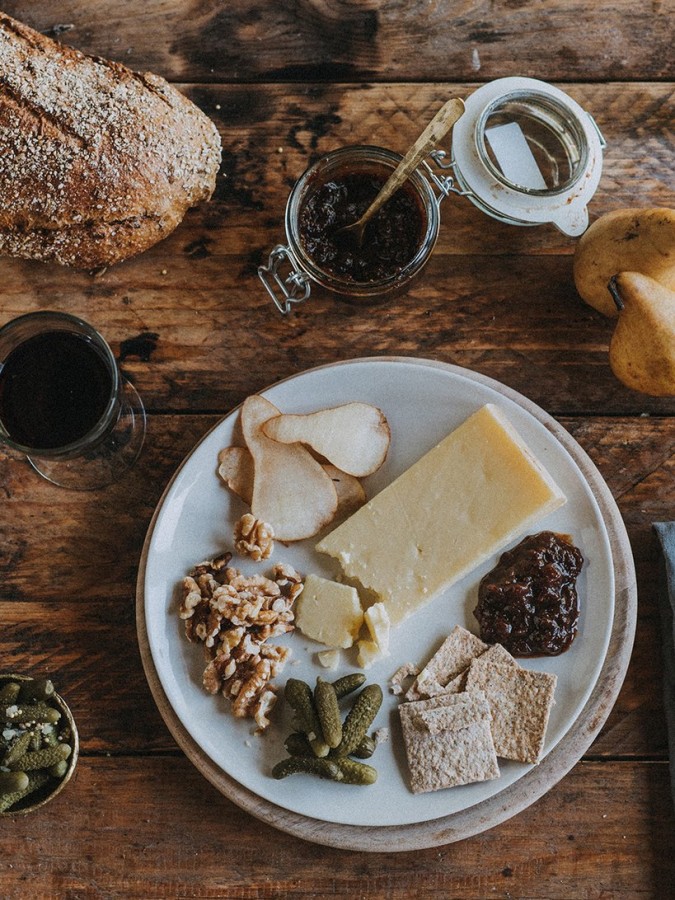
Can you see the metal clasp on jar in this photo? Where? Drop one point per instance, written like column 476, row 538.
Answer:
column 446, row 184
column 284, row 291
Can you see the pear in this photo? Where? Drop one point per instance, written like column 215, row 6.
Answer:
column 291, row 491
column 642, row 349
column 624, row 240
column 354, row 437
column 235, row 468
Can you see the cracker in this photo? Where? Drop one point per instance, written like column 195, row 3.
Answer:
column 450, row 660
column 496, row 654
column 448, row 741
column 520, row 702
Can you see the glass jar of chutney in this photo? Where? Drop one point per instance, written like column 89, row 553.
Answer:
column 333, row 193
column 523, row 152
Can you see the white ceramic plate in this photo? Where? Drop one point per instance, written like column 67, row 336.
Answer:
column 195, row 519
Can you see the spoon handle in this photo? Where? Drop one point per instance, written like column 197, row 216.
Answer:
column 439, row 126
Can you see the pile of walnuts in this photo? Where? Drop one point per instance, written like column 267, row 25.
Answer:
column 233, row 615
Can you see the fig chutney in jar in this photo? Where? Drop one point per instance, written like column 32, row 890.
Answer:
column 391, row 238
column 335, row 192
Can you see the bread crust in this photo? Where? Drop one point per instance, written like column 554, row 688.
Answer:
column 97, row 163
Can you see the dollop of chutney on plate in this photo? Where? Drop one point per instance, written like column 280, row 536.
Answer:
column 529, row 601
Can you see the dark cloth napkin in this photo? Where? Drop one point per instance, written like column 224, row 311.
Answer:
column 665, row 531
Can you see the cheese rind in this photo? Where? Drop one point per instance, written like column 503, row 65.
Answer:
column 464, row 500
column 328, row 612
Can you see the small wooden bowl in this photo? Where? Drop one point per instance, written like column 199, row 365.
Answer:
column 43, row 795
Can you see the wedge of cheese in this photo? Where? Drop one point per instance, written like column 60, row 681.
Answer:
column 454, row 508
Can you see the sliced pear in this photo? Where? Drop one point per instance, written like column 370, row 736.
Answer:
column 350, row 492
column 235, row 468
column 354, row 437
column 291, row 491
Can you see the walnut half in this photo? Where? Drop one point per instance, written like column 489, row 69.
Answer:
column 253, row 538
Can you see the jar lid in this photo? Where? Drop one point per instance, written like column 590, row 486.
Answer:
column 526, row 153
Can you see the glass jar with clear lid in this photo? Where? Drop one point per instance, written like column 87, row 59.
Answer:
column 523, row 152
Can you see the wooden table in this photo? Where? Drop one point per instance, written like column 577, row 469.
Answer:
column 191, row 325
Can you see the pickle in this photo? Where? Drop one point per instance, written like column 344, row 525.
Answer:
column 319, row 714
column 59, row 769
column 18, row 748
column 37, row 689
column 35, row 781
column 359, row 719
column 50, row 738
column 9, row 693
column 366, row 748
column 296, row 744
column 35, row 743
column 299, row 696
column 41, row 759
column 354, row 772
column 348, row 683
column 11, row 782
column 307, row 765
column 328, row 711
column 32, row 712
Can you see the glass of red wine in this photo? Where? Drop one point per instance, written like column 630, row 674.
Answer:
column 65, row 404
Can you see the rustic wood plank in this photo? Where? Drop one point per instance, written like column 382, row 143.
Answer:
column 358, row 40
column 173, row 834
column 190, row 319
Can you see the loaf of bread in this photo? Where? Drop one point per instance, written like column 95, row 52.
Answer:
column 97, row 163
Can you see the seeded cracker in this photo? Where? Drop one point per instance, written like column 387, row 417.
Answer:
column 520, row 702
column 448, row 741
column 450, row 660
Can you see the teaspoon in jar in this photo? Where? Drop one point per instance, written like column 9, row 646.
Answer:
column 439, row 126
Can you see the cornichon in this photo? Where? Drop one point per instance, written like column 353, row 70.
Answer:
column 9, row 692
column 297, row 745
column 37, row 689
column 318, row 713
column 354, row 772
column 35, row 742
column 20, row 746
column 35, row 780
column 328, row 711
column 348, row 683
column 299, row 696
column 23, row 714
column 41, row 759
column 11, row 782
column 59, row 769
column 366, row 748
column 359, row 719
column 308, row 765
